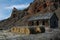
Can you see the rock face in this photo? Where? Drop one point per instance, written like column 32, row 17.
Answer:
column 19, row 17
column 43, row 6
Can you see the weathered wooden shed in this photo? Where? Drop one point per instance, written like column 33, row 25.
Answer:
column 47, row 20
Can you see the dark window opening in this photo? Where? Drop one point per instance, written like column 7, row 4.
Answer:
column 32, row 23
column 37, row 22
column 43, row 23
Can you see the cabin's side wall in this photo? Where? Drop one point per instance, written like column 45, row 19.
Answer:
column 54, row 22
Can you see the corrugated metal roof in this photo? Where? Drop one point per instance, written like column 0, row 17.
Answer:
column 41, row 16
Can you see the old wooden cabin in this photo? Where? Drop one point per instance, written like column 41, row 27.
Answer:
column 49, row 20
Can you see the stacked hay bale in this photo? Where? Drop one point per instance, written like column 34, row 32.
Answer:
column 20, row 30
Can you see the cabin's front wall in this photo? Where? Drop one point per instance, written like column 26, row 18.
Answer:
column 45, row 23
column 42, row 23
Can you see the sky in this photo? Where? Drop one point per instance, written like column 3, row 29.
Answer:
column 6, row 7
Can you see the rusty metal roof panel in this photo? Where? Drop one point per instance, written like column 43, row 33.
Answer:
column 41, row 16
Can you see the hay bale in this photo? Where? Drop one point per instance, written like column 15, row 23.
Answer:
column 27, row 31
column 42, row 29
column 20, row 30
column 32, row 31
column 36, row 30
column 13, row 29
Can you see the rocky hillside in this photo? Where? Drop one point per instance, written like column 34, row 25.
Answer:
column 19, row 17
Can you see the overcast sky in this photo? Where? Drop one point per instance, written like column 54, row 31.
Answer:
column 6, row 6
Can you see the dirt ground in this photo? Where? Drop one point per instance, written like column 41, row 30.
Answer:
column 55, row 33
